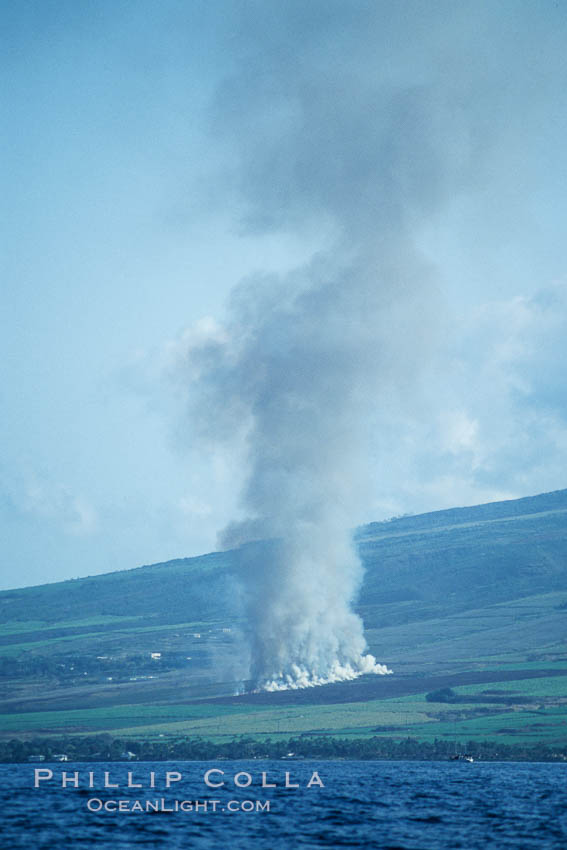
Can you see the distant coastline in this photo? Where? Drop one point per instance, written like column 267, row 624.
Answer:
column 104, row 748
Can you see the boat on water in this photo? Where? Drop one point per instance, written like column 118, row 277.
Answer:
column 462, row 757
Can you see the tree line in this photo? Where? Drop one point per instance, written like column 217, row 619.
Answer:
column 105, row 747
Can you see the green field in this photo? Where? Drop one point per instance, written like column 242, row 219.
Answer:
column 410, row 716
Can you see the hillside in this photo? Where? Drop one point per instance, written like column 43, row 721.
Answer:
column 478, row 591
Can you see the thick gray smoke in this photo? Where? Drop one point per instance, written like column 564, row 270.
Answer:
column 307, row 365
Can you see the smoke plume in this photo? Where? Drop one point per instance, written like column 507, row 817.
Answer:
column 309, row 365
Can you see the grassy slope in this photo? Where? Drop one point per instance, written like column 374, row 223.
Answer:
column 480, row 589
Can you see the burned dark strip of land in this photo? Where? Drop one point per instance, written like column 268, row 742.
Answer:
column 381, row 687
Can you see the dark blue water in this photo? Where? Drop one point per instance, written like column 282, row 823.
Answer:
column 386, row 805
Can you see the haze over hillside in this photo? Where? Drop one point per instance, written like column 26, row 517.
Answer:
column 459, row 598
column 481, row 554
column 433, row 565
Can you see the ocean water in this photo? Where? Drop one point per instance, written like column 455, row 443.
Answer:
column 386, row 805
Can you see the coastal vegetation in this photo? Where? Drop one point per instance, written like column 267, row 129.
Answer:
column 98, row 748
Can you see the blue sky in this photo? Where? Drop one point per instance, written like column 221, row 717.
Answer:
column 159, row 153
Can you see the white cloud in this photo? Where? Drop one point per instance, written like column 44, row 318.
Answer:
column 57, row 503
column 458, row 432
